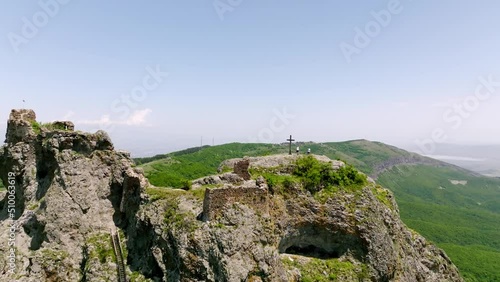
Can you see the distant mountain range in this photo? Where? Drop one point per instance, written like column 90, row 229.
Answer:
column 484, row 159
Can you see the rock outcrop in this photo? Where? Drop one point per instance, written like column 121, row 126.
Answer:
column 285, row 236
column 72, row 188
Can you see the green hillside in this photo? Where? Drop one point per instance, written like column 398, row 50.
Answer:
column 461, row 217
column 173, row 170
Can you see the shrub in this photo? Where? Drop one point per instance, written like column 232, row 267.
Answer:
column 187, row 185
column 37, row 127
column 316, row 175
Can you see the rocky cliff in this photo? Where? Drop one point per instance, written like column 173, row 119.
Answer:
column 72, row 189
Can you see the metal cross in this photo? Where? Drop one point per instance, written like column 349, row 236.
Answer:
column 290, row 152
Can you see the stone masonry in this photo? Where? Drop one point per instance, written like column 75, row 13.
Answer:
column 241, row 169
column 217, row 199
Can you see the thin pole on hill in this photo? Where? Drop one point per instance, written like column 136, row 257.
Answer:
column 290, row 151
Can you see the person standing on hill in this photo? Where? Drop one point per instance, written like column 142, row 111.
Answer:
column 298, row 149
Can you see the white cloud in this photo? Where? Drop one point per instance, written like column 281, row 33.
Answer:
column 137, row 118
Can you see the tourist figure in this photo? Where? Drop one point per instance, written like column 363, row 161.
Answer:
column 309, row 151
column 298, row 150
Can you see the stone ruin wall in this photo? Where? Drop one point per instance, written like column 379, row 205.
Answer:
column 217, row 199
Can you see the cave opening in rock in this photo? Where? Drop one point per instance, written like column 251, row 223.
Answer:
column 312, row 251
column 317, row 241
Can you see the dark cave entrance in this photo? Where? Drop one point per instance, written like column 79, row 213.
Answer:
column 317, row 241
column 312, row 251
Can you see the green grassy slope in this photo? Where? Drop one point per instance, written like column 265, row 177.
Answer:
column 173, row 170
column 458, row 218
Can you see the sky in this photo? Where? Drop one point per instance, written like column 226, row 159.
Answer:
column 160, row 76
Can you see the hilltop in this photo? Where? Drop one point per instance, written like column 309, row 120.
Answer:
column 463, row 218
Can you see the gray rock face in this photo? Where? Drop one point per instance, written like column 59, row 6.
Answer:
column 243, row 241
column 274, row 161
column 19, row 127
column 64, row 125
column 72, row 188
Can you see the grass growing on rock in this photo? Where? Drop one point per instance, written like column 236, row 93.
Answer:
column 173, row 217
column 173, row 170
column 138, row 277
column 176, row 219
column 316, row 175
column 38, row 126
column 157, row 193
column 383, row 196
column 100, row 247
column 319, row 270
column 319, row 178
column 162, row 193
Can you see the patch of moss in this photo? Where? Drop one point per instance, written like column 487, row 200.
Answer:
column 100, row 247
column 52, row 258
column 156, row 193
column 329, row 192
column 281, row 184
column 121, row 234
column 319, row 270
column 199, row 193
column 37, row 127
column 226, row 169
column 383, row 196
column 138, row 277
column 173, row 218
column 281, row 169
column 34, row 206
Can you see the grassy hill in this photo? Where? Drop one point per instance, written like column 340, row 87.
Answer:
column 456, row 209
column 173, row 170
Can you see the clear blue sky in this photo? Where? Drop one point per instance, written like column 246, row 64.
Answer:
column 229, row 74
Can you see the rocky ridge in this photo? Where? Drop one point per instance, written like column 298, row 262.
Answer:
column 72, row 188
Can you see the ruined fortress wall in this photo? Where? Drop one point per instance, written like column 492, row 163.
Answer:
column 216, row 199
